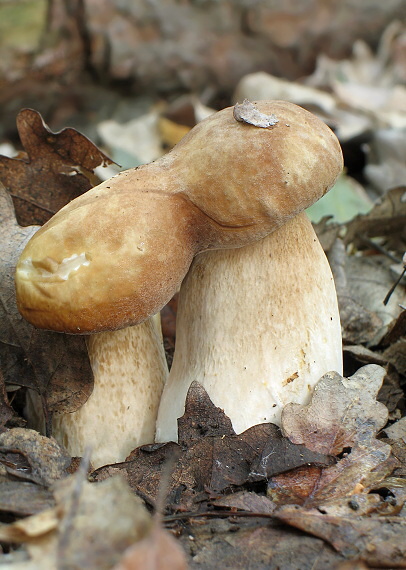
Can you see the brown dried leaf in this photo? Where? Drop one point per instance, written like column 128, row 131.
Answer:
column 37, row 526
column 294, row 487
column 220, row 462
column 391, row 393
column 378, row 541
column 387, row 218
column 365, row 466
column 23, row 498
column 243, row 544
column 143, row 469
column 357, row 355
column 55, row 366
column 360, row 504
column 280, row 455
column 201, row 418
column 362, row 283
column 393, row 492
column 245, row 501
column 342, row 419
column 212, row 458
column 340, row 410
column 99, row 521
column 313, row 486
column 399, row 455
column 219, row 459
column 396, row 355
column 397, row 430
column 28, row 455
column 55, row 168
column 352, row 565
column 397, row 440
column 396, row 330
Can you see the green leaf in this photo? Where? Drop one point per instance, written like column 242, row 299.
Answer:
column 345, row 200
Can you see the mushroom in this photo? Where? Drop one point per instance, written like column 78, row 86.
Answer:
column 256, row 327
column 130, row 370
column 259, row 325
column 114, row 256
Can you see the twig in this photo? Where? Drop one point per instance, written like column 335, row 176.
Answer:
column 219, row 514
column 398, row 280
column 379, row 248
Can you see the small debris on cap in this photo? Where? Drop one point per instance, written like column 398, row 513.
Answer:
column 246, row 112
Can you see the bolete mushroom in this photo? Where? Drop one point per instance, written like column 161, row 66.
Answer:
column 130, row 370
column 115, row 256
column 257, row 327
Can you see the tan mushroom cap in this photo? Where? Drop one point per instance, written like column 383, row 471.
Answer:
column 114, row 256
column 250, row 180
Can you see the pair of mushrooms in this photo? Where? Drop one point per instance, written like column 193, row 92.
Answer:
column 221, row 218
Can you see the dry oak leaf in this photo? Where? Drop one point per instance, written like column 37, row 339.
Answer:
column 212, row 458
column 358, row 471
column 378, row 541
column 339, row 410
column 55, row 366
column 54, row 169
column 342, row 419
column 220, row 459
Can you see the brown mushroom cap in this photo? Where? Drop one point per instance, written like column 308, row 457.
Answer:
column 114, row 256
column 250, row 180
column 88, row 269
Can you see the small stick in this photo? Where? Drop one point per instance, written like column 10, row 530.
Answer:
column 398, row 280
column 219, row 514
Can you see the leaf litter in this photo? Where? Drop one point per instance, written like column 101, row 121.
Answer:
column 54, row 168
column 53, row 366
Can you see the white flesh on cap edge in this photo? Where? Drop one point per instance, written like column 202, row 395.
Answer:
column 257, row 327
column 129, row 370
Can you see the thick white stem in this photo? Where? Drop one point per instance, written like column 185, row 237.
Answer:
column 130, row 370
column 257, row 327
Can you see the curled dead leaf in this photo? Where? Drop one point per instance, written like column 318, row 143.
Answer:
column 54, row 169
